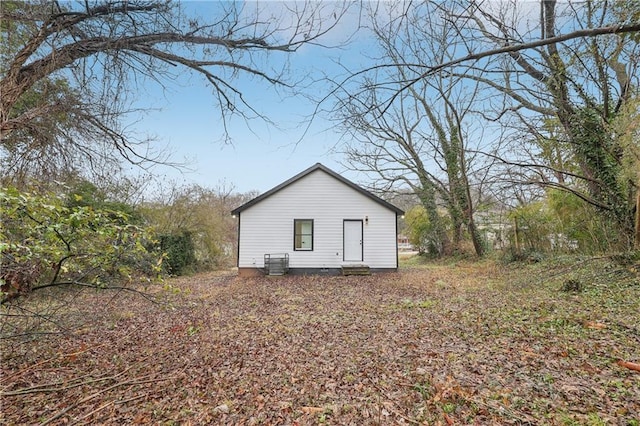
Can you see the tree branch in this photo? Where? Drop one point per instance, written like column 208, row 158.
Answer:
column 592, row 32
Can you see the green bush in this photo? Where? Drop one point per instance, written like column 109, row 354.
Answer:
column 179, row 251
column 45, row 242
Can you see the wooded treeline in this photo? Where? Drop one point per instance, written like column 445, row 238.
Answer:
column 506, row 124
column 532, row 140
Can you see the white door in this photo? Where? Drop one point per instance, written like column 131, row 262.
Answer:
column 352, row 240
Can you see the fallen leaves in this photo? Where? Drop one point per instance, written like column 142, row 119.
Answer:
column 595, row 325
column 630, row 365
column 312, row 410
column 437, row 345
column 222, row 408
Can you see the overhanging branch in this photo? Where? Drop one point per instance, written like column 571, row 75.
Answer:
column 592, row 32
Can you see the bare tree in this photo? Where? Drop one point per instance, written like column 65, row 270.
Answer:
column 561, row 74
column 566, row 91
column 70, row 70
column 421, row 140
column 571, row 95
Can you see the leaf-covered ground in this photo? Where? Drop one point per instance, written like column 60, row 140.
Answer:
column 465, row 343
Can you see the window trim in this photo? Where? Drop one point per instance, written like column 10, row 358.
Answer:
column 295, row 222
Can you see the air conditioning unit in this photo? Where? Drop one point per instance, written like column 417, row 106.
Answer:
column 276, row 264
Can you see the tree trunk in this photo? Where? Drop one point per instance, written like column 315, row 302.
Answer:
column 516, row 235
column 476, row 238
column 457, row 222
column 439, row 240
column 636, row 243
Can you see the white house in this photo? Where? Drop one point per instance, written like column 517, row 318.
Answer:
column 317, row 222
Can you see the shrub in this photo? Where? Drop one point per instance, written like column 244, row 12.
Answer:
column 44, row 242
column 179, row 251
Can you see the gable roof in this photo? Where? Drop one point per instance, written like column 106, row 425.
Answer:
column 310, row 170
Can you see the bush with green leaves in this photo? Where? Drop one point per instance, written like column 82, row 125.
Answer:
column 196, row 229
column 580, row 222
column 180, row 252
column 419, row 229
column 562, row 222
column 44, row 242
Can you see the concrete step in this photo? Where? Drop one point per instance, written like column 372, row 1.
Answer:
column 356, row 270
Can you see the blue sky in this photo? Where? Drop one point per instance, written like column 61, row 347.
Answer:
column 185, row 118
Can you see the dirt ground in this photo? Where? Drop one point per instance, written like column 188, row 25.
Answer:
column 449, row 344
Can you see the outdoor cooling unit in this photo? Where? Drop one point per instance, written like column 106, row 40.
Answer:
column 276, row 264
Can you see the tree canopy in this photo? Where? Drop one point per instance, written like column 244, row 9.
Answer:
column 70, row 70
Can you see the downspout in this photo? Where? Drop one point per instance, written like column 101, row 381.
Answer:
column 238, row 247
column 397, row 254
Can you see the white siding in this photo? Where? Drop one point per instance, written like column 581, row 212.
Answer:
column 267, row 227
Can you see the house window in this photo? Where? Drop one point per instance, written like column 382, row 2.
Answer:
column 303, row 234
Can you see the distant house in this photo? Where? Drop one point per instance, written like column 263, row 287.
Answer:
column 404, row 244
column 316, row 222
